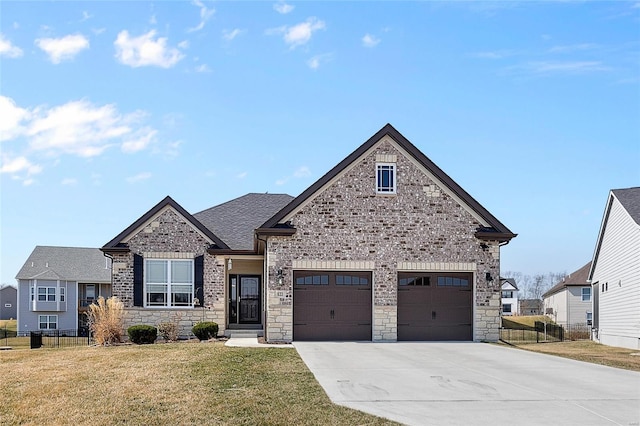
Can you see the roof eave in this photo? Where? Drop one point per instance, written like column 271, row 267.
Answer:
column 276, row 231
column 495, row 236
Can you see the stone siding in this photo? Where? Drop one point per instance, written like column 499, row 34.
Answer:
column 186, row 318
column 423, row 223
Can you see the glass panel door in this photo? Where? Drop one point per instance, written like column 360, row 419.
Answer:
column 249, row 300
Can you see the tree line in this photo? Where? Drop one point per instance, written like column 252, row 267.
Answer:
column 534, row 286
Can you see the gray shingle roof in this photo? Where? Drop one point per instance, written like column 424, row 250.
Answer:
column 630, row 200
column 66, row 263
column 577, row 278
column 235, row 221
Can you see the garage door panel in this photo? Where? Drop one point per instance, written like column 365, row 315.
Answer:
column 437, row 307
column 338, row 310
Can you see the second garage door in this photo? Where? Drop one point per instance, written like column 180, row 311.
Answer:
column 331, row 305
column 435, row 306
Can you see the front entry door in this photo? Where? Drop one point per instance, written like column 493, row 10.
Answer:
column 245, row 299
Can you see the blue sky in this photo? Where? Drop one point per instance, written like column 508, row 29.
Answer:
column 107, row 107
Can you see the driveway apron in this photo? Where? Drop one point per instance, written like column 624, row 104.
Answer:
column 463, row 383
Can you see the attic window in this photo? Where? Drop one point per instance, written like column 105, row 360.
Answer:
column 385, row 178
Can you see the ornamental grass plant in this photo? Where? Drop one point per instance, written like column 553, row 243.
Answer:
column 106, row 320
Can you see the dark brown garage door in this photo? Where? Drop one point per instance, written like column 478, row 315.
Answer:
column 331, row 305
column 435, row 306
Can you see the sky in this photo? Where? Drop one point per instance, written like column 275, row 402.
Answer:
column 108, row 107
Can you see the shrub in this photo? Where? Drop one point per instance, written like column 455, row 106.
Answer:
column 168, row 331
column 205, row 330
column 105, row 320
column 142, row 334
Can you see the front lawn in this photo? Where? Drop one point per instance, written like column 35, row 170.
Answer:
column 174, row 383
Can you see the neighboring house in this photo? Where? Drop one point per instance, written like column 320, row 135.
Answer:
column 57, row 284
column 509, row 297
column 383, row 247
column 530, row 307
column 568, row 302
column 615, row 272
column 8, row 302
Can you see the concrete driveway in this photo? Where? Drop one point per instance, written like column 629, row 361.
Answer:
column 444, row 383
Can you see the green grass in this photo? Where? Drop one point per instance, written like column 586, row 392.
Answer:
column 524, row 322
column 174, row 383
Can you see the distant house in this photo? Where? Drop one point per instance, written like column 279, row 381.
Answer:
column 530, row 307
column 8, row 302
column 568, row 302
column 57, row 284
column 615, row 272
column 509, row 297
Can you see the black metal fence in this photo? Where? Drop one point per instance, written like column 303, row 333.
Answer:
column 60, row 338
column 541, row 332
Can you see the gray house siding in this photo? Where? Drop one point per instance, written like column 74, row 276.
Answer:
column 8, row 302
column 30, row 311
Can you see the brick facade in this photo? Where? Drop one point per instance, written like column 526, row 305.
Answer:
column 170, row 236
column 348, row 222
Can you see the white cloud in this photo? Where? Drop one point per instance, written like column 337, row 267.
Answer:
column 229, row 35
column 283, row 8
column 64, row 48
column 19, row 164
column 205, row 15
column 573, row 48
column 203, row 68
column 145, row 50
column 242, row 175
column 317, row 60
column 8, row 49
column 12, row 118
column 69, row 181
column 98, row 31
column 76, row 128
column 85, row 15
column 141, row 140
column 184, row 44
column 300, row 173
column 370, row 41
column 153, row 20
column 575, row 67
column 299, row 34
column 139, row 177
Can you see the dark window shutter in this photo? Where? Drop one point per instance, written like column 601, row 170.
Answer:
column 138, row 278
column 198, row 266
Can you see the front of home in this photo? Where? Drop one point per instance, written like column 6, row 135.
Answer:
column 57, row 284
column 384, row 247
column 568, row 302
column 615, row 271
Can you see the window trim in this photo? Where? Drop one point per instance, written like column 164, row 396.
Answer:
column 392, row 188
column 582, row 293
column 169, row 295
column 49, row 296
column 48, row 322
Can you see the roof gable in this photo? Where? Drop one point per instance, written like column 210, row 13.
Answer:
column 66, row 263
column 493, row 228
column 119, row 242
column 509, row 284
column 629, row 199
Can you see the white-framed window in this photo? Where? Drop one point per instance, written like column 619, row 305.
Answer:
column 589, row 318
column 32, row 292
column 586, row 294
column 385, row 178
column 47, row 322
column 507, row 294
column 168, row 283
column 46, row 294
column 506, row 308
column 62, row 294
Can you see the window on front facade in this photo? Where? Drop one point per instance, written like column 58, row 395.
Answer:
column 586, row 294
column 351, row 280
column 506, row 308
column 169, row 282
column 47, row 322
column 386, row 178
column 507, row 294
column 452, row 282
column 312, row 279
column 62, row 294
column 589, row 318
column 46, row 294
